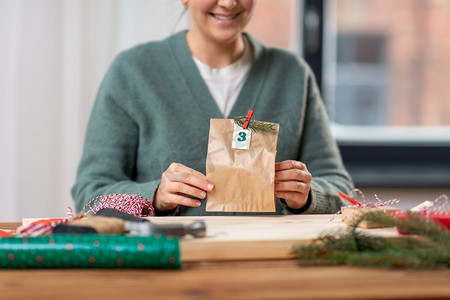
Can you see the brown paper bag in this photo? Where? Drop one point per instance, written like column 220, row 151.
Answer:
column 243, row 179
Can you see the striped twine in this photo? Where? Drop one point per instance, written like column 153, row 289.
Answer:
column 379, row 204
column 44, row 227
column 41, row 227
column 440, row 205
column 132, row 204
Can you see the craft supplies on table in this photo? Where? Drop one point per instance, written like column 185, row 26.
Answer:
column 436, row 211
column 230, row 238
column 352, row 214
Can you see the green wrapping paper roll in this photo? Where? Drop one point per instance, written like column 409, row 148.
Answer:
column 90, row 251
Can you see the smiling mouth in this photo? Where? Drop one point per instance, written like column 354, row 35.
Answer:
column 224, row 17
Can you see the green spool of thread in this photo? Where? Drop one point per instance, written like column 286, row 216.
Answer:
column 90, row 251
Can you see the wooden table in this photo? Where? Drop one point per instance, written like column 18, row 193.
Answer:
column 241, row 258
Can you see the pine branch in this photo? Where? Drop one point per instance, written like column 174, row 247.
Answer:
column 429, row 248
column 256, row 126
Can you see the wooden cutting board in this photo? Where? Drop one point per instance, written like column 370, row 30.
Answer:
column 256, row 237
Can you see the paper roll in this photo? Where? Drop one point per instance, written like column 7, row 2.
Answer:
column 90, row 251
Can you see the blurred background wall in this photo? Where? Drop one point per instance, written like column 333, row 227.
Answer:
column 53, row 55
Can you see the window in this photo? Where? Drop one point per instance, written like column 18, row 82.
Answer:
column 360, row 96
column 384, row 72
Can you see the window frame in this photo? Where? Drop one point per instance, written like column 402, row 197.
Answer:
column 380, row 156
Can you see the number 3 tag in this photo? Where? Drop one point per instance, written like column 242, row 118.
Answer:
column 241, row 138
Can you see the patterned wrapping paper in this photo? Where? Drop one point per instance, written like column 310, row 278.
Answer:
column 90, row 251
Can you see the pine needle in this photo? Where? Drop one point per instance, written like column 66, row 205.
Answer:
column 256, row 126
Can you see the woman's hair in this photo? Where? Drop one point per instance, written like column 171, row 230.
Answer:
column 179, row 18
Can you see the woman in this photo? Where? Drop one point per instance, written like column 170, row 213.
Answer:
column 148, row 132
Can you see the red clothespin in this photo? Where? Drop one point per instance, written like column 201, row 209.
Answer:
column 247, row 119
column 349, row 199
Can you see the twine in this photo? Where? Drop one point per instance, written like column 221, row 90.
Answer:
column 440, row 206
column 132, row 204
column 44, row 227
column 379, row 204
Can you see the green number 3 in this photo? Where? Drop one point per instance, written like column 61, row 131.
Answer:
column 243, row 137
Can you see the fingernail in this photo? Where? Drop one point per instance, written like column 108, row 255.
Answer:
column 202, row 194
column 210, row 186
column 198, row 203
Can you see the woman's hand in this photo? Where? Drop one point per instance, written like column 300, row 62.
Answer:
column 292, row 183
column 177, row 182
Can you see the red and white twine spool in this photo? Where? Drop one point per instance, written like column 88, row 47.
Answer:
column 128, row 203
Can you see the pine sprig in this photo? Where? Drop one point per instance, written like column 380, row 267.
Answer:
column 256, row 126
column 429, row 248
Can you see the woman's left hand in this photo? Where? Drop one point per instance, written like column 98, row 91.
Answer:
column 292, row 183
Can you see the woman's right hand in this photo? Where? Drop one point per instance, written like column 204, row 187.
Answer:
column 177, row 182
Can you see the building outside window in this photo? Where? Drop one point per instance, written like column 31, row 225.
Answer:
column 384, row 71
column 401, row 47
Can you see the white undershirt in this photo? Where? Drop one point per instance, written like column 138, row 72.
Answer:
column 226, row 83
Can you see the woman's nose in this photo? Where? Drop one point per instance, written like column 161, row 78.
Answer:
column 229, row 4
